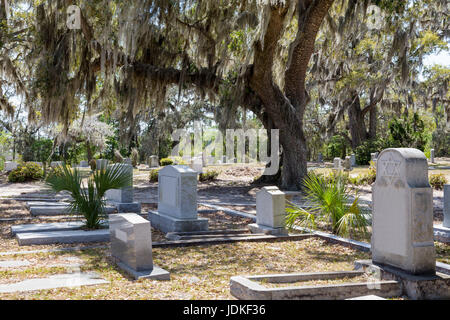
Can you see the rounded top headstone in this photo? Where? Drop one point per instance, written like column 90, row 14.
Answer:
column 402, row 167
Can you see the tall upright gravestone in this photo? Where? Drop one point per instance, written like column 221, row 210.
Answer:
column 402, row 234
column 270, row 212
column 177, row 202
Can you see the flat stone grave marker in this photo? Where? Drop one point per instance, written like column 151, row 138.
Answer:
column 52, row 237
column 270, row 212
column 56, row 281
column 403, row 212
column 131, row 245
column 177, row 201
column 14, row 264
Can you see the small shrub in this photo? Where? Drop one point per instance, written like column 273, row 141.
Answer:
column 26, row 172
column 437, row 181
column 166, row 162
column 178, row 161
column 56, row 171
column 93, row 164
column 154, row 175
column 209, row 175
column 366, row 178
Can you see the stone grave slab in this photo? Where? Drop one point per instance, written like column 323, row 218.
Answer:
column 253, row 288
column 10, row 166
column 131, row 245
column 56, row 210
column 14, row 264
column 446, row 222
column 45, row 227
column 52, row 237
column 403, row 212
column 56, row 281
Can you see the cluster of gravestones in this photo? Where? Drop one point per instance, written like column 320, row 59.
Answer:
column 347, row 164
column 402, row 240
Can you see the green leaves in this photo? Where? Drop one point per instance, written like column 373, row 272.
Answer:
column 88, row 200
column 328, row 201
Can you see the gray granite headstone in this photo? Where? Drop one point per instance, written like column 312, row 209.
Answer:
column 446, row 223
column 402, row 226
column 131, row 246
column 432, row 160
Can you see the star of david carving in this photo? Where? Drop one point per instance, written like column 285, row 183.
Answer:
column 390, row 168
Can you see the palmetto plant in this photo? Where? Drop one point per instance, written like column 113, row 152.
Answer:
column 328, row 200
column 88, row 199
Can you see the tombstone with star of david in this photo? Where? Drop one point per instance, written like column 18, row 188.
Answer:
column 402, row 225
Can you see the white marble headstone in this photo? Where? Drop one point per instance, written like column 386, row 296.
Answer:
column 402, row 227
column 271, row 207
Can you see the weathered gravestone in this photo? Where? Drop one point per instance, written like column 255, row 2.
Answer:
column 123, row 198
column 177, row 202
column 270, row 212
column 101, row 163
column 84, row 164
column 320, row 157
column 54, row 164
column 353, row 160
column 403, row 212
column 337, row 163
column 197, row 164
column 432, row 160
column 446, row 223
column 153, row 162
column 347, row 163
column 131, row 246
column 10, row 166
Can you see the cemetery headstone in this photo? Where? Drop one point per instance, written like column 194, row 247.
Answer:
column 177, row 201
column 84, row 164
column 153, row 162
column 432, row 160
column 403, row 212
column 446, row 223
column 337, row 163
column 353, row 160
column 123, row 198
column 54, row 164
column 348, row 163
column 102, row 163
column 270, row 212
column 320, row 157
column 131, row 246
column 10, row 166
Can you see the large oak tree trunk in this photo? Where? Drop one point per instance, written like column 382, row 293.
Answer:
column 356, row 122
